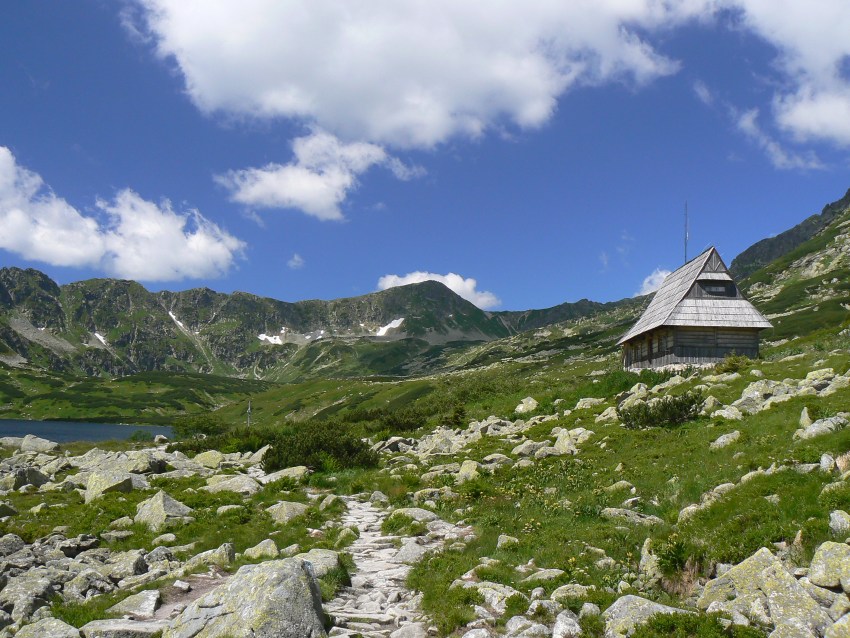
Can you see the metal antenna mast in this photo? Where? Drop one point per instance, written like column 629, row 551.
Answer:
column 686, row 231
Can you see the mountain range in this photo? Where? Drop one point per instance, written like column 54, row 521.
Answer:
column 108, row 327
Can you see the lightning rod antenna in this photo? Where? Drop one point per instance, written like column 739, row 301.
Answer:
column 686, row 231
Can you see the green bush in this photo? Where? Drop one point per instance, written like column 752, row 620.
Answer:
column 669, row 411
column 323, row 446
column 733, row 363
column 192, row 425
column 672, row 555
column 691, row 626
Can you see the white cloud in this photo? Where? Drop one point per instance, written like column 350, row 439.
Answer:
column 813, row 47
column 296, row 262
column 134, row 238
column 317, row 181
column 412, row 73
column 703, row 93
column 779, row 156
column 653, row 281
column 466, row 287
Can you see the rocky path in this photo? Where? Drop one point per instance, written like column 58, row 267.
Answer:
column 378, row 604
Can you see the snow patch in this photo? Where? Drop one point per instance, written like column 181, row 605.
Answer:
column 176, row 320
column 101, row 338
column 271, row 339
column 395, row 323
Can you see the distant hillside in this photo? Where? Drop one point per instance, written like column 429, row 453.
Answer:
column 767, row 250
column 117, row 327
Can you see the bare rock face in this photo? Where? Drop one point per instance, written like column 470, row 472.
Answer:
column 275, row 599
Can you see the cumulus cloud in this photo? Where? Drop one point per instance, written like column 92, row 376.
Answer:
column 466, row 287
column 813, row 48
column 779, row 156
column 132, row 238
column 296, row 262
column 653, row 281
column 407, row 74
column 317, row 181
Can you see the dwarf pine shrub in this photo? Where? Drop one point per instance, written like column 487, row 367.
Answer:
column 667, row 412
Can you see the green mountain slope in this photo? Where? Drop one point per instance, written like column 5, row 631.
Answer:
column 767, row 250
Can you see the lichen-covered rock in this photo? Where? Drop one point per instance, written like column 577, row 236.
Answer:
column 789, row 604
column 528, row 404
column 584, row 404
column 468, row 471
column 566, row 625
column 613, row 513
column 628, row 612
column 416, row 513
column 240, row 484
column 222, row 556
column 160, row 510
column 139, row 606
column 495, row 594
column 839, row 522
column 298, row 474
column 725, row 440
column 285, row 511
column 211, row 459
column 122, row 629
column 31, row 443
column 264, row 549
column 323, row 561
column 100, row 483
column 86, row 584
column 761, row 589
column 830, row 564
column 821, row 427
column 48, row 627
column 275, row 599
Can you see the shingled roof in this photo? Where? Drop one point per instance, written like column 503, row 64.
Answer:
column 669, row 307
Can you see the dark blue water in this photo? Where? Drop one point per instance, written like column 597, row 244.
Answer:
column 64, row 431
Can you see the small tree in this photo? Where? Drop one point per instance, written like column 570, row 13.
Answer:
column 192, row 425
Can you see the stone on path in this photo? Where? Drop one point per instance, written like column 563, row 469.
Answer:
column 52, row 627
column 121, row 629
column 138, row 606
column 378, row 604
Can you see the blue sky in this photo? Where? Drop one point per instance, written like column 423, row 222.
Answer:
column 539, row 152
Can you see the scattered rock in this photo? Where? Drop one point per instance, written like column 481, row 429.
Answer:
column 298, row 473
column 264, row 549
column 628, row 612
column 138, row 606
column 286, row 511
column 31, row 443
column 241, row 484
column 725, row 440
column 527, row 405
column 160, row 510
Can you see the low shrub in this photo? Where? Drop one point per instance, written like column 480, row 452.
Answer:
column 669, row 411
column 689, row 625
column 733, row 363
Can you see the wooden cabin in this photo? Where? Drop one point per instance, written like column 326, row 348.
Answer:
column 698, row 316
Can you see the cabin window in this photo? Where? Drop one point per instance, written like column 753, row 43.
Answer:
column 719, row 289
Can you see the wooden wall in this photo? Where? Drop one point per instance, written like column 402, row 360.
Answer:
column 689, row 345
